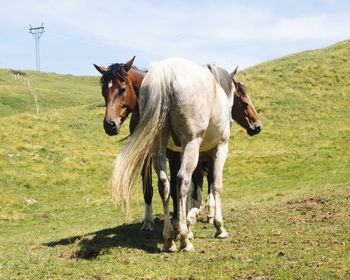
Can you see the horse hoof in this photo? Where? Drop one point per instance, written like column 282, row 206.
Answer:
column 190, row 235
column 192, row 216
column 188, row 248
column 147, row 226
column 169, row 246
column 221, row 235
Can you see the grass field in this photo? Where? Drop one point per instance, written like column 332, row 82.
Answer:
column 286, row 197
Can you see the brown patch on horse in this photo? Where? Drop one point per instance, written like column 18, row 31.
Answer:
column 243, row 110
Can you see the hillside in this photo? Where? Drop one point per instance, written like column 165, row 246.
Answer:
column 286, row 191
column 303, row 99
column 54, row 91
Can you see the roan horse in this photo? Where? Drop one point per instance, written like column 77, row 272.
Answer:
column 127, row 81
column 244, row 113
column 178, row 100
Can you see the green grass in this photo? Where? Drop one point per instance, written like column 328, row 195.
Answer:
column 286, row 191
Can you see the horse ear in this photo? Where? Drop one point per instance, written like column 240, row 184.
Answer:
column 100, row 69
column 128, row 65
column 233, row 73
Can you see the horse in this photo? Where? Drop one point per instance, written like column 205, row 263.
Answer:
column 244, row 113
column 120, row 89
column 242, row 106
column 178, row 99
column 121, row 84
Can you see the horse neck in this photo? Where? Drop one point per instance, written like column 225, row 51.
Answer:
column 136, row 77
column 222, row 77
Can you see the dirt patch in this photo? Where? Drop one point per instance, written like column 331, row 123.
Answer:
column 253, row 276
column 312, row 209
column 68, row 255
column 307, row 203
column 180, row 278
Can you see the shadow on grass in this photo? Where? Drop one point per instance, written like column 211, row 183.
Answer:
column 92, row 244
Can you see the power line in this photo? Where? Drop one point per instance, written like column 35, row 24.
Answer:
column 37, row 32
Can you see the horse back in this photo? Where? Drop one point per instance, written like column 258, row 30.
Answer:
column 198, row 105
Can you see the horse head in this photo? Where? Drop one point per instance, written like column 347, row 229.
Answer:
column 243, row 110
column 119, row 95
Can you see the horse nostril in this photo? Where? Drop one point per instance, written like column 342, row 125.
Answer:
column 111, row 128
column 257, row 129
column 113, row 125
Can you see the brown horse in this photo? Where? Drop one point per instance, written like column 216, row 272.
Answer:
column 121, row 84
column 243, row 110
column 120, row 89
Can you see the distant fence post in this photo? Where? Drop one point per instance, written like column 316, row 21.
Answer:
column 26, row 83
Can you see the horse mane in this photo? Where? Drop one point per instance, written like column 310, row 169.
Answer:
column 222, row 77
column 114, row 71
column 241, row 88
column 117, row 71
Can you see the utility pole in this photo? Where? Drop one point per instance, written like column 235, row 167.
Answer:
column 37, row 32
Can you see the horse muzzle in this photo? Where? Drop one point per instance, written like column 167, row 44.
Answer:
column 254, row 130
column 111, row 128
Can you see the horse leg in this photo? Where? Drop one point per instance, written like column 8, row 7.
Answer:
column 189, row 202
column 219, row 156
column 184, row 179
column 159, row 163
column 197, row 180
column 174, row 166
column 146, row 174
column 196, row 198
column 210, row 198
column 189, row 212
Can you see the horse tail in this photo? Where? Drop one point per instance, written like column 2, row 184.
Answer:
column 154, row 110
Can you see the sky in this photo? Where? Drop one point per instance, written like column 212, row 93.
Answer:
column 79, row 33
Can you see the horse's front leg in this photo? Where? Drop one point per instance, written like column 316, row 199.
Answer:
column 194, row 200
column 197, row 180
column 219, row 157
column 210, row 205
column 174, row 159
column 147, row 187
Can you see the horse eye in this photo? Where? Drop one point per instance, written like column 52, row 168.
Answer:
column 122, row 90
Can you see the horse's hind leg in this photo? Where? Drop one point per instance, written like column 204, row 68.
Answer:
column 147, row 195
column 159, row 163
column 184, row 180
column 219, row 156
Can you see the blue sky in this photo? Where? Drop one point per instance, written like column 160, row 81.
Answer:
column 228, row 33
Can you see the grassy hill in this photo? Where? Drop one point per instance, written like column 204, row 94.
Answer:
column 55, row 91
column 286, row 191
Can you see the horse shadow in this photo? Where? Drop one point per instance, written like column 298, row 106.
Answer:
column 93, row 244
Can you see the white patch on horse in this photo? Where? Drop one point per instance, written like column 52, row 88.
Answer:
column 110, row 84
column 148, row 220
column 210, row 207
